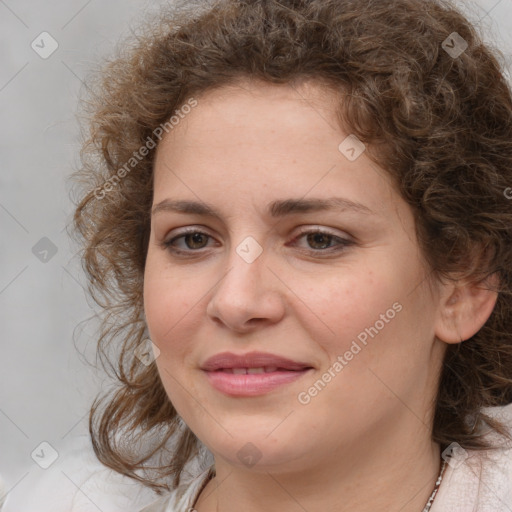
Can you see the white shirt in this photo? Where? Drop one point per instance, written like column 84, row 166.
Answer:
column 76, row 482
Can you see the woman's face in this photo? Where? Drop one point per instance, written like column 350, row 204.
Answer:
column 351, row 305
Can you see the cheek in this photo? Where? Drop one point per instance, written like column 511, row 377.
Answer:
column 372, row 321
column 169, row 304
column 383, row 334
column 348, row 305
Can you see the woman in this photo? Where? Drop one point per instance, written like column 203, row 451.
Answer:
column 300, row 234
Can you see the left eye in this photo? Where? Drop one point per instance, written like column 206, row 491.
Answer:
column 321, row 240
column 318, row 240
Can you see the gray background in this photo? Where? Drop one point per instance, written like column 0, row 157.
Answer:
column 45, row 387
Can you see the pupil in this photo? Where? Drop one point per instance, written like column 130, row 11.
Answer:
column 196, row 238
column 321, row 238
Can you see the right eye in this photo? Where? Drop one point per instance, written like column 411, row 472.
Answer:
column 193, row 239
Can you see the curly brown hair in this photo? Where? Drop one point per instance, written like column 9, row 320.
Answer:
column 443, row 126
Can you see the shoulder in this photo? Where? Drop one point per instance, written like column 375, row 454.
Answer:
column 479, row 480
column 182, row 498
column 77, row 481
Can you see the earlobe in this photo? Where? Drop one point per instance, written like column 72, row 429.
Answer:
column 464, row 309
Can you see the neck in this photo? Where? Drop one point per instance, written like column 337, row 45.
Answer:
column 391, row 480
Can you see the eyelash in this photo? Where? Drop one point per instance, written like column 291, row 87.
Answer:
column 342, row 242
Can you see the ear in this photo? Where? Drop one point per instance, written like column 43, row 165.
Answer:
column 464, row 308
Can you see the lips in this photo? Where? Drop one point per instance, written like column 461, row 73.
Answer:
column 252, row 374
column 252, row 361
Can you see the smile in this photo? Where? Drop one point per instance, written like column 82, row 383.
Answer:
column 253, row 373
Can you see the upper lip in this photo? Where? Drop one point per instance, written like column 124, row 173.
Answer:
column 226, row 360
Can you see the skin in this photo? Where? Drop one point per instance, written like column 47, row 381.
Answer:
column 363, row 443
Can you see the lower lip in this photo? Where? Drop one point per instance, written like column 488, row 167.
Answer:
column 252, row 384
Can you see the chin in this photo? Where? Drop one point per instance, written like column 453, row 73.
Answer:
column 258, row 452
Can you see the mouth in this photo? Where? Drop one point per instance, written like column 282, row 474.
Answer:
column 252, row 374
column 252, row 371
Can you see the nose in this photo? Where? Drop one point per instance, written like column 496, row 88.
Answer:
column 249, row 296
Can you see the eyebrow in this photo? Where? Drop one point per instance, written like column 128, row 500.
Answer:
column 276, row 209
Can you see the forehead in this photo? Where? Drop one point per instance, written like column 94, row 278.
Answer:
column 258, row 140
column 255, row 109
